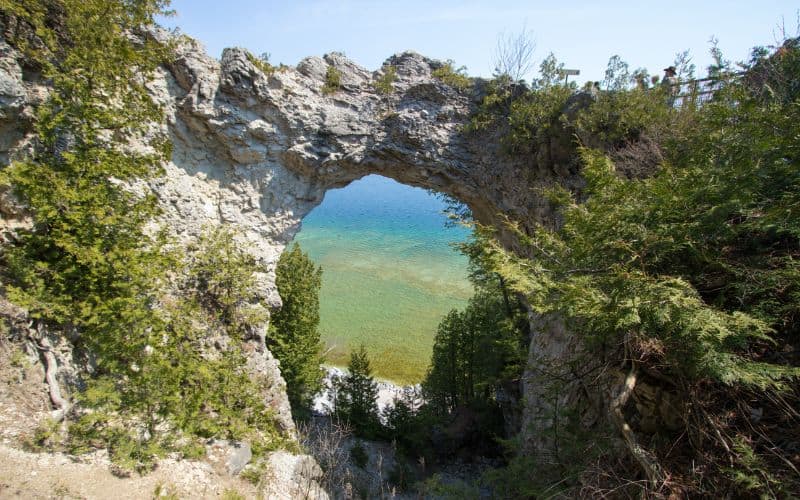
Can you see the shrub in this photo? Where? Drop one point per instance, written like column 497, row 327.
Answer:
column 262, row 63
column 254, row 473
column 689, row 275
column 449, row 75
column 231, row 494
column 333, row 80
column 383, row 85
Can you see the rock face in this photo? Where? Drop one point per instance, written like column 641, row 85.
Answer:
column 258, row 151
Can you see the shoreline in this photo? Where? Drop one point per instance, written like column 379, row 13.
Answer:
column 388, row 391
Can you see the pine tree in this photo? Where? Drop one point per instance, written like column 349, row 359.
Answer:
column 357, row 394
column 294, row 335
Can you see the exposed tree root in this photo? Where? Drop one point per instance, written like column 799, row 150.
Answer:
column 646, row 461
column 60, row 403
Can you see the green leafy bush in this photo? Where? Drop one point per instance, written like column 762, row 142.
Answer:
column 383, row 85
column 532, row 117
column 262, row 63
column 333, row 80
column 254, row 473
column 691, row 274
column 625, row 110
column 176, row 383
column 449, row 75
column 232, row 494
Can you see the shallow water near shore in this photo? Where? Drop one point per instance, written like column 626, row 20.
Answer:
column 389, row 273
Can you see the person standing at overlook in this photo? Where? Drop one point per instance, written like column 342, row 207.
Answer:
column 670, row 84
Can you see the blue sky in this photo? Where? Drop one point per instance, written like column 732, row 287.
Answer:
column 582, row 34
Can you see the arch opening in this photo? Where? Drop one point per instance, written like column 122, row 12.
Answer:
column 390, row 272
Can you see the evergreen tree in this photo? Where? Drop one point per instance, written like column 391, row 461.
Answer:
column 474, row 351
column 689, row 275
column 357, row 394
column 294, row 335
column 88, row 270
column 481, row 347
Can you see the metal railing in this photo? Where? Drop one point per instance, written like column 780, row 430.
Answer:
column 698, row 91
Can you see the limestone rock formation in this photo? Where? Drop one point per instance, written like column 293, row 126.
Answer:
column 259, row 151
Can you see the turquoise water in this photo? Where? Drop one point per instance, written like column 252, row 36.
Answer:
column 389, row 273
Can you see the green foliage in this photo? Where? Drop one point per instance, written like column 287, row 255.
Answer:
column 692, row 272
column 752, row 474
column 625, row 111
column 254, row 473
column 19, row 359
column 471, row 353
column 452, row 76
column 333, row 80
column 356, row 395
column 400, row 418
column 220, row 277
column 45, row 436
column 193, row 450
column 86, row 263
column 217, row 396
column 478, row 349
column 438, row 486
column 262, row 63
column 175, row 383
column 383, row 85
column 622, row 116
column 478, row 352
column 294, row 335
column 614, row 267
column 231, row 494
column 531, row 116
column 408, row 424
column 551, row 73
column 165, row 491
column 88, row 268
column 532, row 119
column 617, row 75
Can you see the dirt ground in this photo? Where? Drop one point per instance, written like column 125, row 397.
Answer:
column 24, row 405
column 57, row 476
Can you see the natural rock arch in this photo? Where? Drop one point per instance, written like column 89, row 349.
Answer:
column 258, row 151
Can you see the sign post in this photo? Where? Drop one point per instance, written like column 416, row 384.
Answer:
column 570, row 72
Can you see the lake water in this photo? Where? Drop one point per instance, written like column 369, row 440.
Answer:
column 389, row 273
